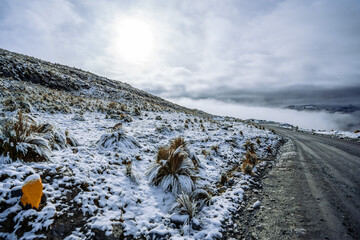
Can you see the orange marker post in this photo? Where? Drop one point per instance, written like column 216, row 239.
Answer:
column 32, row 191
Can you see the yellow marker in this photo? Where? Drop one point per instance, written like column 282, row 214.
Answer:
column 32, row 191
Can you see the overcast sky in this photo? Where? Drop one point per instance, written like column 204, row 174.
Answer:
column 267, row 52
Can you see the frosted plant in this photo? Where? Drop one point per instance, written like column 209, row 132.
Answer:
column 118, row 139
column 186, row 205
column 17, row 140
column 249, row 146
column 176, row 173
column 251, row 157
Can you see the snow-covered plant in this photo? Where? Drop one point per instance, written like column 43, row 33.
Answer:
column 268, row 149
column 186, row 205
column 70, row 140
column 252, row 158
column 180, row 142
column 249, row 146
column 176, row 173
column 17, row 140
column 215, row 148
column 202, row 198
column 118, row 139
column 130, row 173
column 246, row 167
column 162, row 154
column 192, row 204
column 117, row 126
column 57, row 138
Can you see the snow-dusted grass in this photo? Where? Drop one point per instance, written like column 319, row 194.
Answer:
column 92, row 180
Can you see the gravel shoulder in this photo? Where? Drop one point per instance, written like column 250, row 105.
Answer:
column 311, row 192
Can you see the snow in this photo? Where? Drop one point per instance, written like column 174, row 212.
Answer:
column 32, row 177
column 105, row 195
column 340, row 134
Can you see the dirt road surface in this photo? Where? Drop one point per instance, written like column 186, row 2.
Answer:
column 312, row 192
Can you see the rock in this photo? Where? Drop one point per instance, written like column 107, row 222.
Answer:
column 231, row 182
column 158, row 118
column 78, row 117
column 16, row 192
column 178, row 219
column 196, row 224
column 299, row 231
column 256, row 205
column 32, row 191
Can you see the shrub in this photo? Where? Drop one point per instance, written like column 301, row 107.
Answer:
column 17, row 141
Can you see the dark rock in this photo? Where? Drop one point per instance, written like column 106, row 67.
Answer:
column 16, row 192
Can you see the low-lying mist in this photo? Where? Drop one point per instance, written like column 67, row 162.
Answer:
column 303, row 119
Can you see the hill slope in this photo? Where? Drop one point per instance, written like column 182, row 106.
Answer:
column 115, row 161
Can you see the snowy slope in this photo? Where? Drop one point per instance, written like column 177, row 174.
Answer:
column 90, row 190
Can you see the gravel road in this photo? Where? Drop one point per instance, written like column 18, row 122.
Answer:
column 312, row 192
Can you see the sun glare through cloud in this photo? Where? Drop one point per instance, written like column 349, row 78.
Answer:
column 134, row 40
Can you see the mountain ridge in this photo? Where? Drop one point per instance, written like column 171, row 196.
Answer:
column 26, row 68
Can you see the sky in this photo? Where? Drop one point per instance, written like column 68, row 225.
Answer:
column 263, row 52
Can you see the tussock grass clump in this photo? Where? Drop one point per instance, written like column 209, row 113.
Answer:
column 251, row 157
column 17, row 140
column 163, row 154
column 175, row 167
column 247, row 167
column 191, row 204
column 186, row 205
column 249, row 146
column 118, row 139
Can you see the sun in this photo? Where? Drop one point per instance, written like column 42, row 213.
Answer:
column 134, row 41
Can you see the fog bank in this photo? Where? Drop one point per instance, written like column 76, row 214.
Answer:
column 309, row 120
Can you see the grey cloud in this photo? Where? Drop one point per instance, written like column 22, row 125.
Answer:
column 268, row 52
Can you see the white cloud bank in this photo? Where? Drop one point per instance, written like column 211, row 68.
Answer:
column 308, row 120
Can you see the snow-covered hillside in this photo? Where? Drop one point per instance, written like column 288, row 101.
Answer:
column 115, row 168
